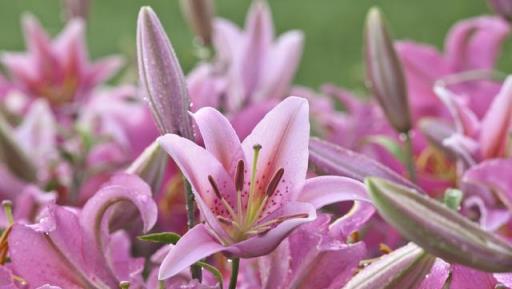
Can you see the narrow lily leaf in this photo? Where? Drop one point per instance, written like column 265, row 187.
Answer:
column 331, row 159
column 161, row 76
column 13, row 157
column 199, row 15
column 163, row 237
column 405, row 267
column 384, row 72
column 212, row 269
column 150, row 166
column 437, row 229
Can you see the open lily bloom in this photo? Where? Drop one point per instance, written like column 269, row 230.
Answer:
column 57, row 70
column 72, row 248
column 251, row 72
column 472, row 44
column 250, row 194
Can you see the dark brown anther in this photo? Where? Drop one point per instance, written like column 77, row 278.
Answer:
column 214, row 187
column 272, row 186
column 239, row 176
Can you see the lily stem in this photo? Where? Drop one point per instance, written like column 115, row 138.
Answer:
column 235, row 264
column 409, row 156
column 195, row 270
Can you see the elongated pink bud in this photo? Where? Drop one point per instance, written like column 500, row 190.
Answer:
column 76, row 9
column 385, row 76
column 199, row 15
column 502, row 8
column 331, row 159
column 438, row 229
column 161, row 76
column 405, row 267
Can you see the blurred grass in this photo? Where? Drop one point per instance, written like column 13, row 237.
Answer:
column 333, row 28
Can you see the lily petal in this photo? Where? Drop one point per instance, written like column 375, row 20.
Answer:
column 122, row 187
column 283, row 135
column 325, row 190
column 195, row 245
column 282, row 65
column 197, row 165
column 475, row 43
column 496, row 123
column 220, row 138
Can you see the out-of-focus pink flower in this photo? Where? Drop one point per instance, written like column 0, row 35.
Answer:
column 488, row 190
column 57, row 70
column 251, row 72
column 251, row 194
column 480, row 136
column 362, row 127
column 52, row 251
column 315, row 255
column 472, row 44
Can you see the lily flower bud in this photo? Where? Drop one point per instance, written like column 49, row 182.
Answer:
column 199, row 15
column 161, row 76
column 13, row 157
column 438, row 229
column 384, row 73
column 331, row 159
column 150, row 166
column 405, row 267
column 502, row 8
column 76, row 9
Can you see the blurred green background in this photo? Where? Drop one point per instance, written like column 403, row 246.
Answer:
column 333, row 28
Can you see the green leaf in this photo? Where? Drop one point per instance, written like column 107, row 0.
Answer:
column 163, row 237
column 212, row 270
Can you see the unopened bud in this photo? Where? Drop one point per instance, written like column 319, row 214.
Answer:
column 199, row 15
column 438, row 229
column 405, row 267
column 161, row 76
column 385, row 76
column 502, row 8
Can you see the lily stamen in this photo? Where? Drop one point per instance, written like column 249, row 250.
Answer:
column 216, row 190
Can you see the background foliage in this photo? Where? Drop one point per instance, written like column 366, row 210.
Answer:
column 333, row 28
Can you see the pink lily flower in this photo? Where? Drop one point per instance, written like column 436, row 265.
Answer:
column 315, row 255
column 52, row 250
column 251, row 194
column 480, row 137
column 57, row 70
column 252, row 70
column 472, row 44
column 488, row 190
